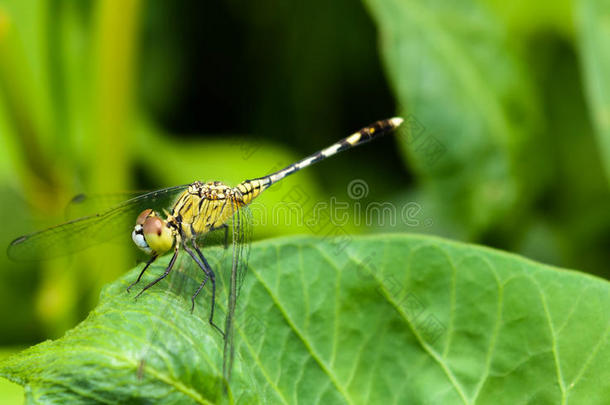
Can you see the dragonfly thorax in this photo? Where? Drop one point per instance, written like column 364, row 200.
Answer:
column 204, row 207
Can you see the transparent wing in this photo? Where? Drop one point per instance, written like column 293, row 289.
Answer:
column 86, row 204
column 88, row 231
column 242, row 238
column 241, row 229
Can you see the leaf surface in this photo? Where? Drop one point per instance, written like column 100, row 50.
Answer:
column 384, row 319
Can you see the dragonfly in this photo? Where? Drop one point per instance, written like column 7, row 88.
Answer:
column 177, row 219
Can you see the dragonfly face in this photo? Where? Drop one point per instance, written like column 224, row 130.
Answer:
column 152, row 234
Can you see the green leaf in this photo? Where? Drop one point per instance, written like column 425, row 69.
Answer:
column 594, row 34
column 10, row 393
column 400, row 318
column 471, row 112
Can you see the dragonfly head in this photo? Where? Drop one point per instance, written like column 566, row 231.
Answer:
column 152, row 234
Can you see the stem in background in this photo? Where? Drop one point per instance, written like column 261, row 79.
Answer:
column 115, row 46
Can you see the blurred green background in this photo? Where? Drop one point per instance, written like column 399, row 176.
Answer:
column 506, row 141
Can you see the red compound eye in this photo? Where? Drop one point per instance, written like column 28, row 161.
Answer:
column 152, row 226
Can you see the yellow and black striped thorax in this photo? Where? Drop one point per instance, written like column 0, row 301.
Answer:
column 206, row 206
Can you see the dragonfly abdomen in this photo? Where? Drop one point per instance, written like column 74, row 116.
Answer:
column 360, row 137
column 248, row 190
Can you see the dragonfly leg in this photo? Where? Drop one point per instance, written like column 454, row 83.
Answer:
column 203, row 264
column 205, row 280
column 152, row 259
column 169, row 268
